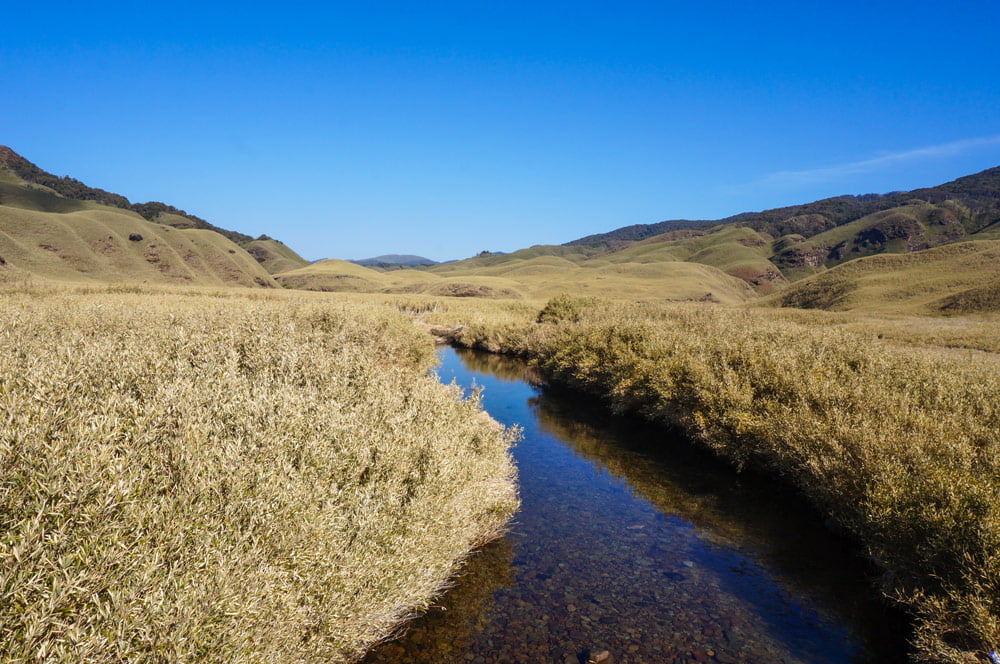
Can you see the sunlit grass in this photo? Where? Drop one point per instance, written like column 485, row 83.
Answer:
column 93, row 245
column 899, row 444
column 256, row 478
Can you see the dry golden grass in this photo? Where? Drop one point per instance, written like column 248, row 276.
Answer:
column 955, row 279
column 898, row 444
column 533, row 278
column 249, row 478
column 275, row 256
column 950, row 335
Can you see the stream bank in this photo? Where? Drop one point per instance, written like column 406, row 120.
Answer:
column 633, row 541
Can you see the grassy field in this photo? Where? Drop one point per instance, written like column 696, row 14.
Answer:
column 895, row 440
column 250, row 476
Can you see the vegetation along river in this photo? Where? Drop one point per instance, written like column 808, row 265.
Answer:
column 632, row 541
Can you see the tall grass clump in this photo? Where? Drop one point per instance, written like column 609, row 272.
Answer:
column 190, row 478
column 898, row 446
column 496, row 326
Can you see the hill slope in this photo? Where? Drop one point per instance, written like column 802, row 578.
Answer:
column 273, row 255
column 59, row 229
column 959, row 278
column 977, row 197
column 529, row 274
column 111, row 244
column 15, row 169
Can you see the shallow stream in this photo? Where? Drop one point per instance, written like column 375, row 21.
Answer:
column 630, row 540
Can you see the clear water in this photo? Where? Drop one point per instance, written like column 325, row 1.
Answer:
column 632, row 541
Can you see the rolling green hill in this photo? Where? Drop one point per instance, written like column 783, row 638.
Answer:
column 114, row 245
column 767, row 250
column 960, row 278
column 18, row 171
column 538, row 276
column 913, row 227
column 978, row 196
column 273, row 255
column 738, row 251
column 59, row 229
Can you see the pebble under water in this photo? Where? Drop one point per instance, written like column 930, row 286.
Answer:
column 631, row 541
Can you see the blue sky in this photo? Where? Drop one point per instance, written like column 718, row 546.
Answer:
column 441, row 129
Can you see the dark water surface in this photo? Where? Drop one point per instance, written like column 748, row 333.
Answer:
column 631, row 541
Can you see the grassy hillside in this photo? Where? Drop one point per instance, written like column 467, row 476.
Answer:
column 168, row 215
column 59, row 229
column 16, row 166
column 978, row 194
column 960, row 278
column 767, row 264
column 538, row 278
column 189, row 478
column 905, row 229
column 790, row 243
column 334, row 275
column 737, row 251
column 274, row 256
column 489, row 259
column 99, row 243
column 635, row 233
column 41, row 199
column 15, row 169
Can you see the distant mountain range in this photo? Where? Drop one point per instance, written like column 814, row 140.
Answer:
column 395, row 260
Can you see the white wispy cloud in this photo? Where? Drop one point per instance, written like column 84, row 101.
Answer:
column 784, row 179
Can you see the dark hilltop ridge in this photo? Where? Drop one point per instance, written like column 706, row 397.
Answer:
column 978, row 197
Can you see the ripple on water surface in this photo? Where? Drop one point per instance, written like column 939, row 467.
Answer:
column 631, row 541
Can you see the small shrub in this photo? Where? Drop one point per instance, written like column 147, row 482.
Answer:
column 564, row 309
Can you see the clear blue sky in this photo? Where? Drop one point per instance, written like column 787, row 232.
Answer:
column 442, row 129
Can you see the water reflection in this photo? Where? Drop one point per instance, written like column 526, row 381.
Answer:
column 446, row 631
column 631, row 541
column 501, row 367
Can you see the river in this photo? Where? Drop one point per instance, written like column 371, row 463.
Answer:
column 633, row 541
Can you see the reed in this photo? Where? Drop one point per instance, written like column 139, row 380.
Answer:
column 898, row 445
column 185, row 477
